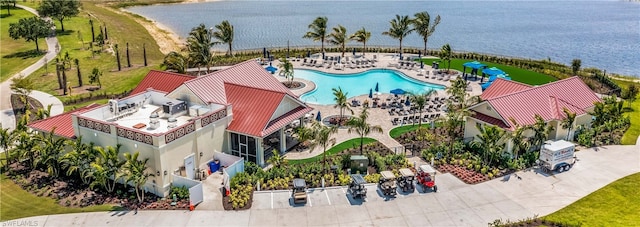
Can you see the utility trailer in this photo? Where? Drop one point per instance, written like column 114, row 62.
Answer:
column 557, row 156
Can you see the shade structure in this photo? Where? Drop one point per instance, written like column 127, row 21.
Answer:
column 271, row 69
column 407, row 103
column 421, row 64
column 493, row 71
column 354, row 51
column 308, row 53
column 398, row 91
column 370, row 93
column 322, row 55
column 474, row 65
column 419, row 54
column 377, row 90
column 318, row 117
column 264, row 52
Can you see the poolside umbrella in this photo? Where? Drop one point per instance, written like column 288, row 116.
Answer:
column 370, row 93
column 421, row 64
column 419, row 54
column 308, row 53
column 377, row 87
column 323, row 56
column 407, row 103
column 398, row 91
column 318, row 117
column 264, row 52
column 354, row 51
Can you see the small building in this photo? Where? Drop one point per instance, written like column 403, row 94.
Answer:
column 508, row 104
column 179, row 122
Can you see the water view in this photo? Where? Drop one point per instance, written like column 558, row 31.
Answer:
column 602, row 34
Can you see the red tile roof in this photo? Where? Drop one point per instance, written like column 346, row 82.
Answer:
column 547, row 100
column 250, row 114
column 62, row 123
column 501, row 87
column 161, row 81
column 210, row 88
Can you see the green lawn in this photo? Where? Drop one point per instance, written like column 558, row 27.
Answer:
column 397, row 131
column 120, row 28
column 617, row 204
column 83, row 104
column 18, row 203
column 631, row 135
column 16, row 54
column 355, row 142
column 516, row 74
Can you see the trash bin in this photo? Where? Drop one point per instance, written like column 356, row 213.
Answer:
column 214, row 166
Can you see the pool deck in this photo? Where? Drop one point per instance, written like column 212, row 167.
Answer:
column 377, row 116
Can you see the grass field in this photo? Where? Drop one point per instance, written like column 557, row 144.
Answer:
column 617, row 204
column 516, row 74
column 355, row 142
column 121, row 29
column 18, row 203
column 16, row 54
column 631, row 135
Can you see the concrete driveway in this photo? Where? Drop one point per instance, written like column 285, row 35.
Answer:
column 455, row 203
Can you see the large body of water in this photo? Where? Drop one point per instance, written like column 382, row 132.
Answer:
column 603, row 34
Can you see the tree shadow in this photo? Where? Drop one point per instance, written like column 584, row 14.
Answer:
column 65, row 32
column 25, row 54
column 4, row 15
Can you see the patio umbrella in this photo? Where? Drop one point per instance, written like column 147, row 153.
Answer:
column 264, row 52
column 318, row 117
column 354, row 51
column 308, row 53
column 370, row 93
column 419, row 54
column 323, row 55
column 407, row 103
column 421, row 64
column 376, row 87
column 398, row 91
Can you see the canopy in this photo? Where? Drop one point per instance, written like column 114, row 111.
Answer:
column 474, row 65
column 503, row 76
column 493, row 71
column 398, row 91
column 271, row 69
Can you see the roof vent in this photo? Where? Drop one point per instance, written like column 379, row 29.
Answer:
column 173, row 122
column 154, row 121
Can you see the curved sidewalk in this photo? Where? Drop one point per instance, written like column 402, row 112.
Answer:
column 453, row 205
column 7, row 118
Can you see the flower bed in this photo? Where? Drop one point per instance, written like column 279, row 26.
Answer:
column 464, row 174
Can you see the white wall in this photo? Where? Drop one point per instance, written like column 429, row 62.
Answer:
column 287, row 104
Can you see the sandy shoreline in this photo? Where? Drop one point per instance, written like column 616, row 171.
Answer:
column 166, row 38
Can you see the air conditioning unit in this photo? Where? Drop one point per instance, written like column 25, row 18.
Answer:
column 154, row 121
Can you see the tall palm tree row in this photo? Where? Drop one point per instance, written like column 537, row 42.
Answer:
column 400, row 28
column 318, row 31
column 361, row 36
column 339, row 37
column 360, row 126
column 423, row 26
column 224, row 34
column 341, row 102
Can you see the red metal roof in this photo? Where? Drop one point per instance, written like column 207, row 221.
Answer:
column 489, row 119
column 161, row 81
column 285, row 119
column 250, row 113
column 501, row 87
column 210, row 88
column 62, row 123
column 547, row 100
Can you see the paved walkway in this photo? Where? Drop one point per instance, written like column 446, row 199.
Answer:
column 7, row 119
column 452, row 205
column 377, row 116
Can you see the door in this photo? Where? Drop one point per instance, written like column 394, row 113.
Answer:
column 189, row 166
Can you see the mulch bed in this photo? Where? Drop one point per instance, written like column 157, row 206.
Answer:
column 293, row 85
column 19, row 107
column 462, row 173
column 227, row 205
column 410, row 139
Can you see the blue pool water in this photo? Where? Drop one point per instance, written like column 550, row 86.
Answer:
column 358, row 84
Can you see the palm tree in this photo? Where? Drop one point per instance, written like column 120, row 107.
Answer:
column 420, row 100
column 286, row 68
column 199, row 45
column 575, row 66
column 399, row 29
column 108, row 166
column 24, row 148
column 361, row 36
column 339, row 37
column 224, row 34
column 136, row 173
column 567, row 123
column 458, row 90
column 360, row 126
column 276, row 160
column 78, row 160
column 341, row 102
column 318, row 31
column 541, row 131
column 445, row 55
column 322, row 137
column 520, row 142
column 50, row 153
column 422, row 25
column 304, row 135
column 43, row 113
column 6, row 142
column 176, row 61
column 491, row 140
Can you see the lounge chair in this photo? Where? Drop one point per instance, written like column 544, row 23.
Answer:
column 420, row 75
column 395, row 121
column 404, row 120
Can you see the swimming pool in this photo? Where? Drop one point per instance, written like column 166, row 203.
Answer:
column 358, row 84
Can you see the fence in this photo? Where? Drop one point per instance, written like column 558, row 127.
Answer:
column 196, row 194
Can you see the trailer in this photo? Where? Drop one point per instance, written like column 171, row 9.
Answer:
column 557, row 156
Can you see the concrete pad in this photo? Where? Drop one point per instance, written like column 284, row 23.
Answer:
column 488, row 213
column 100, row 219
column 318, row 197
column 439, row 218
column 282, row 200
column 417, row 220
column 465, row 217
column 409, row 207
column 512, row 210
column 204, row 218
column 470, row 197
column 65, row 220
column 234, row 218
column 397, row 221
column 381, row 210
column 373, row 194
column 262, row 200
column 176, row 218
column 263, row 217
column 447, row 182
column 338, row 196
column 430, row 203
column 322, row 216
column 450, row 201
column 291, row 217
column 359, row 223
column 141, row 219
column 350, row 214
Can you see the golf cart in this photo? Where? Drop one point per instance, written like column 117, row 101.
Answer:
column 427, row 177
column 299, row 193
column 356, row 187
column 407, row 177
column 387, row 183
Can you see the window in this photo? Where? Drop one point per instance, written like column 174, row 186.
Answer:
column 244, row 146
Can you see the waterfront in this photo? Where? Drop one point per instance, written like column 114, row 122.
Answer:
column 602, row 34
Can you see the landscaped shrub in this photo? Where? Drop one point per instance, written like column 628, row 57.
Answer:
column 240, row 196
column 372, row 178
column 180, row 192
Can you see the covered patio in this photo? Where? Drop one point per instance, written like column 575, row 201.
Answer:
column 474, row 65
